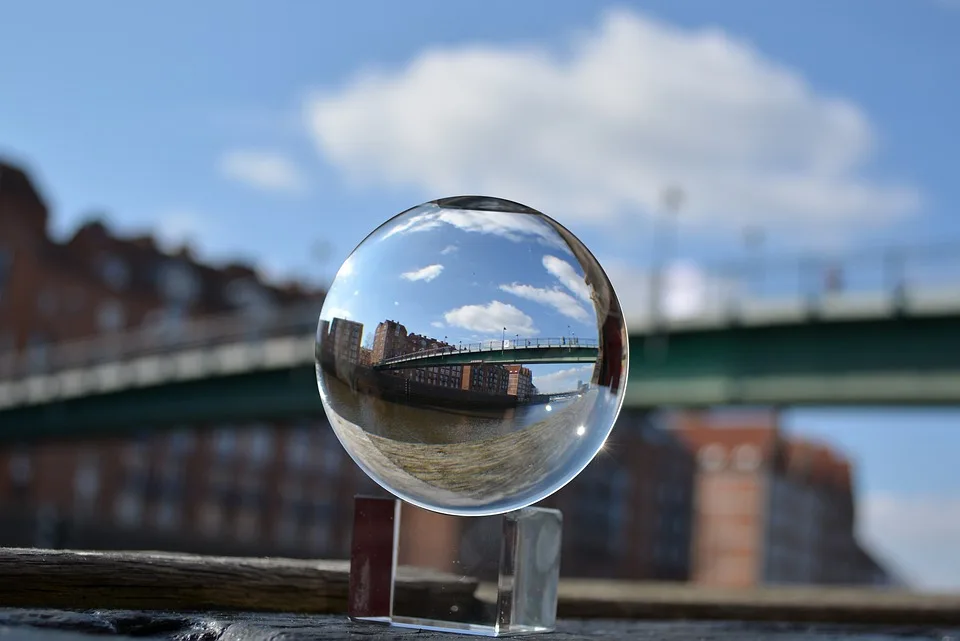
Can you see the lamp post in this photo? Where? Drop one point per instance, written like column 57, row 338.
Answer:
column 753, row 238
column 503, row 338
column 664, row 239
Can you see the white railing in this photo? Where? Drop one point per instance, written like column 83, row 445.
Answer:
column 161, row 339
column 494, row 346
column 781, row 287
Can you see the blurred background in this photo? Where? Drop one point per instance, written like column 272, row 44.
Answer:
column 771, row 188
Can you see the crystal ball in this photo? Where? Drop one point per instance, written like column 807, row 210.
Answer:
column 471, row 356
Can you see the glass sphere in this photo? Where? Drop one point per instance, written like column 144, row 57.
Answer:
column 471, row 356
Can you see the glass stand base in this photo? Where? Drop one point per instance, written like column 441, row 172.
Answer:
column 439, row 561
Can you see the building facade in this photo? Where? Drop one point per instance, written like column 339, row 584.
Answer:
column 519, row 381
column 769, row 508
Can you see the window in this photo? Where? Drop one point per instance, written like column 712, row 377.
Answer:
column 86, row 481
column 115, row 273
column 712, row 457
column 179, row 283
column 287, row 528
column 747, row 458
column 6, row 266
column 248, row 525
column 318, row 536
column 21, row 469
column 129, row 509
column 261, row 445
column 37, row 350
column 225, row 440
column 298, row 448
column 47, row 302
column 181, row 441
column 168, row 514
column 111, row 316
column 211, row 519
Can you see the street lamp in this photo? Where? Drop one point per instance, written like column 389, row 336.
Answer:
column 753, row 238
column 663, row 249
column 503, row 339
column 664, row 232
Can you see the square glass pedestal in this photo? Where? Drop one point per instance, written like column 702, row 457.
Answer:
column 488, row 576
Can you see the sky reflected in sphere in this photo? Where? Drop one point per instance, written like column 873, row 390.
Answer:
column 471, row 356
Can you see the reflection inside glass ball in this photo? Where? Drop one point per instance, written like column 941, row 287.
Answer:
column 471, row 356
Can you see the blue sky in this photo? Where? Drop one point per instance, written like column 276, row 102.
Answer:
column 431, row 269
column 285, row 132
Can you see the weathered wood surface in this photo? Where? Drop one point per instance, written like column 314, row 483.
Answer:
column 32, row 578
column 167, row 581
column 53, row 625
column 631, row 600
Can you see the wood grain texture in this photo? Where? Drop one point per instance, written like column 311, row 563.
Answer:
column 626, row 600
column 155, row 581
column 167, row 581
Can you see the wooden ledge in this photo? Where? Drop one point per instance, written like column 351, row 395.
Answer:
column 31, row 578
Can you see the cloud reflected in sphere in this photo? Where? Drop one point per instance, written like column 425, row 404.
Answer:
column 471, row 356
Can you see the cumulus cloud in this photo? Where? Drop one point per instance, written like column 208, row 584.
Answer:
column 919, row 534
column 263, row 170
column 426, row 274
column 555, row 298
column 449, row 249
column 337, row 312
column 506, row 225
column 562, row 380
column 594, row 132
column 491, row 319
column 568, row 277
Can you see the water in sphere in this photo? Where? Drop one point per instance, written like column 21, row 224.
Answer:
column 471, row 356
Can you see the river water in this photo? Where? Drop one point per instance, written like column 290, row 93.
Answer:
column 413, row 424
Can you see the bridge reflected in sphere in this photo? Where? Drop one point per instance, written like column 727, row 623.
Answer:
column 471, row 356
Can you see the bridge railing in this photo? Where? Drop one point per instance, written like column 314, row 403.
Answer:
column 872, row 279
column 928, row 275
column 161, row 338
column 495, row 346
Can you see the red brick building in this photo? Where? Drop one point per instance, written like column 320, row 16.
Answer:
column 770, row 509
column 520, row 382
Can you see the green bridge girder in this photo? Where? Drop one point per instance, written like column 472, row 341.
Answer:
column 893, row 361
column 525, row 355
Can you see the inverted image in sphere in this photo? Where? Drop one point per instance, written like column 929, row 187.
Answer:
column 471, row 356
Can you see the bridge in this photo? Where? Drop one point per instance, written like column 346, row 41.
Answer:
column 895, row 342
column 525, row 350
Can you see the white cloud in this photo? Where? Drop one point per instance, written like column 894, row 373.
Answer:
column 491, row 319
column 437, row 324
column 508, row 225
column 449, row 249
column 427, row 273
column 594, row 133
column 562, row 380
column 337, row 312
column 264, row 170
column 568, row 277
column 555, row 298
column 918, row 534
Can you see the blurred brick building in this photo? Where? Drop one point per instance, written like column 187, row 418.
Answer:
column 732, row 506
column 255, row 488
column 628, row 514
column 771, row 509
